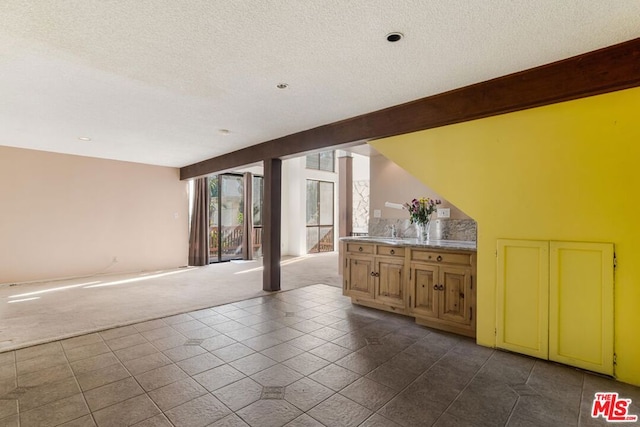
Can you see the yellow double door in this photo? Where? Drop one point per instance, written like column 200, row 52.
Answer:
column 555, row 301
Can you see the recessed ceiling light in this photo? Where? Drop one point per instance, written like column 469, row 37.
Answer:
column 394, row 37
column 224, row 131
column 84, row 138
column 282, row 85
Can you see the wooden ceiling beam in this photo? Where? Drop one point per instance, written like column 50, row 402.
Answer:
column 605, row 70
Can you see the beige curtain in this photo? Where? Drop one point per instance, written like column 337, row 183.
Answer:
column 199, row 234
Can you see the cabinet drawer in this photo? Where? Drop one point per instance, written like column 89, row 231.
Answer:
column 441, row 257
column 391, row 251
column 359, row 248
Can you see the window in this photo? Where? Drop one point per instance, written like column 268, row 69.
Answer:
column 325, row 161
column 320, row 212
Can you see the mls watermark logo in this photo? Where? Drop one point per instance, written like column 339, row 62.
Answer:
column 612, row 408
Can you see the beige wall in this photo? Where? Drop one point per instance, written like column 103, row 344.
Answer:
column 391, row 183
column 66, row 216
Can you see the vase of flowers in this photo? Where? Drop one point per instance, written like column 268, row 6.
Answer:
column 420, row 211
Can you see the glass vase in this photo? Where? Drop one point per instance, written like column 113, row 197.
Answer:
column 422, row 231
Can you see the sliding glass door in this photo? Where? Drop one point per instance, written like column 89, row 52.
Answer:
column 226, row 209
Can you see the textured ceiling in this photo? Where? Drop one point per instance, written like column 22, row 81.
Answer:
column 153, row 81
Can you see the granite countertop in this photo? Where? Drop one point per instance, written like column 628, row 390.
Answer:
column 437, row 244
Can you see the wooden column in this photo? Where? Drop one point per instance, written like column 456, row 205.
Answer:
column 247, row 223
column 345, row 196
column 272, row 215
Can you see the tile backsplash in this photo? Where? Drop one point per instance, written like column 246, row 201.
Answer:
column 441, row 229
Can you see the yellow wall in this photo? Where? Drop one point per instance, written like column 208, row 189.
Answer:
column 568, row 171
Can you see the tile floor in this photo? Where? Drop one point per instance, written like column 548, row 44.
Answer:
column 305, row 357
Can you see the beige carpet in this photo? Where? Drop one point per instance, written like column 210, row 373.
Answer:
column 41, row 312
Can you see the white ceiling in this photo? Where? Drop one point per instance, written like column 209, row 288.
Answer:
column 153, row 81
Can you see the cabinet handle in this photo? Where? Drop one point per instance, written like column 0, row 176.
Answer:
column 360, row 249
column 377, row 274
column 439, row 258
column 461, row 295
column 435, row 287
column 440, row 287
column 393, row 252
column 373, row 274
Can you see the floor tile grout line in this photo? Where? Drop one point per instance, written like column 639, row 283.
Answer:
column 584, row 380
column 91, row 412
column 75, row 378
column 465, row 386
column 511, row 412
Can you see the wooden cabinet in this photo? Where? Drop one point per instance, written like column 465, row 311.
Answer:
column 375, row 275
column 358, row 276
column 389, row 281
column 434, row 286
column 441, row 291
column 424, row 290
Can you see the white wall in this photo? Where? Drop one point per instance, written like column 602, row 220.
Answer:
column 294, row 197
column 360, row 168
column 66, row 216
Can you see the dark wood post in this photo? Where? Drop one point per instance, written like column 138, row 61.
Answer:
column 345, row 196
column 272, row 217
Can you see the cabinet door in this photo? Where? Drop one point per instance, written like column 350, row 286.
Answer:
column 424, row 298
column 581, row 305
column 523, row 297
column 455, row 295
column 359, row 271
column 390, row 281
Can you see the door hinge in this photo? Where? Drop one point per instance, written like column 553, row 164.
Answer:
column 470, row 313
column 615, row 261
column 495, row 332
column 471, row 282
column 410, row 270
column 496, row 253
column 615, row 359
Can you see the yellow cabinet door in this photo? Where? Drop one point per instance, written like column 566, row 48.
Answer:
column 359, row 273
column 522, row 305
column 581, row 305
column 424, row 297
column 390, row 281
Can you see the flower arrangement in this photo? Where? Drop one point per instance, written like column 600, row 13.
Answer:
column 420, row 210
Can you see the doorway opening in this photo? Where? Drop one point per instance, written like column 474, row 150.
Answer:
column 320, row 214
